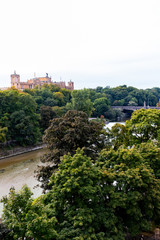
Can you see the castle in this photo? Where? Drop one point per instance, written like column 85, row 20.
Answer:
column 37, row 81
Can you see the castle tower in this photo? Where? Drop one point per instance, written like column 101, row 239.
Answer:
column 71, row 85
column 15, row 80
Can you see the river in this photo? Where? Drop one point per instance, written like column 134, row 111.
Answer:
column 19, row 170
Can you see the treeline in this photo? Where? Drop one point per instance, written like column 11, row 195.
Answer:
column 25, row 115
column 124, row 96
column 99, row 184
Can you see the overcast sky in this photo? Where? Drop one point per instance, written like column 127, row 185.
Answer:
column 93, row 42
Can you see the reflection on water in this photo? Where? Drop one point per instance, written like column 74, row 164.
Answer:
column 19, row 170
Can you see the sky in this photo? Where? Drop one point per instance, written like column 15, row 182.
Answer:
column 91, row 42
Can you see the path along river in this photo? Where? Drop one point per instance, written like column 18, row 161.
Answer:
column 19, row 170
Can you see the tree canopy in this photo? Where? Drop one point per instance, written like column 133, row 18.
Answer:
column 66, row 134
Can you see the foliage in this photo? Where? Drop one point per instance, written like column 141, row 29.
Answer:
column 50, row 95
column 114, row 115
column 18, row 115
column 16, row 206
column 3, row 132
column 80, row 205
column 118, row 135
column 24, row 128
column 101, row 106
column 144, row 125
column 41, row 223
column 151, row 154
column 80, row 102
column 158, row 104
column 66, row 134
column 99, row 200
column 46, row 113
column 130, row 188
column 25, row 218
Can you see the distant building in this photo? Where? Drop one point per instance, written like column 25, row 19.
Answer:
column 37, row 81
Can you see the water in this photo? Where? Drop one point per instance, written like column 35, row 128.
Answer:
column 19, row 170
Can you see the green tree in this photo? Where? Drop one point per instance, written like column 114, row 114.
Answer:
column 59, row 97
column 46, row 114
column 65, row 135
column 3, row 132
column 158, row 104
column 130, row 188
column 41, row 222
column 80, row 205
column 118, row 135
column 101, row 106
column 80, row 102
column 24, row 128
column 151, row 154
column 144, row 125
column 25, row 217
column 16, row 206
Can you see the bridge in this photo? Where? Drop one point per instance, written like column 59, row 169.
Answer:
column 133, row 108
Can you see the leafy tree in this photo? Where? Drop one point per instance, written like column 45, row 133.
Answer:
column 24, row 128
column 46, row 114
column 26, row 103
column 118, row 135
column 60, row 111
column 133, row 102
column 101, row 106
column 3, row 132
column 59, row 98
column 65, row 135
column 80, row 102
column 50, row 102
column 158, row 104
column 18, row 114
column 119, row 102
column 41, row 222
column 16, row 206
column 67, row 95
column 27, row 218
column 151, row 154
column 144, row 125
column 80, row 205
column 130, row 188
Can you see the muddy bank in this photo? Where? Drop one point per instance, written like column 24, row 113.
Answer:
column 13, row 151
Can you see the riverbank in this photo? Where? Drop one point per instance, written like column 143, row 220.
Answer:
column 14, row 151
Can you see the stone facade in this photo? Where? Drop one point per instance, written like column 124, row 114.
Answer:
column 37, row 81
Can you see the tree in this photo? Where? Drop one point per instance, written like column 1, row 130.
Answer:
column 24, row 128
column 80, row 102
column 101, row 106
column 143, row 125
column 158, row 104
column 151, row 154
column 130, row 188
column 65, row 135
column 118, row 135
column 16, row 206
column 47, row 114
column 79, row 203
column 59, row 97
column 27, row 218
column 133, row 102
column 3, row 132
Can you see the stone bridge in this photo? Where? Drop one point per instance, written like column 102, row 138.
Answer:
column 133, row 108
